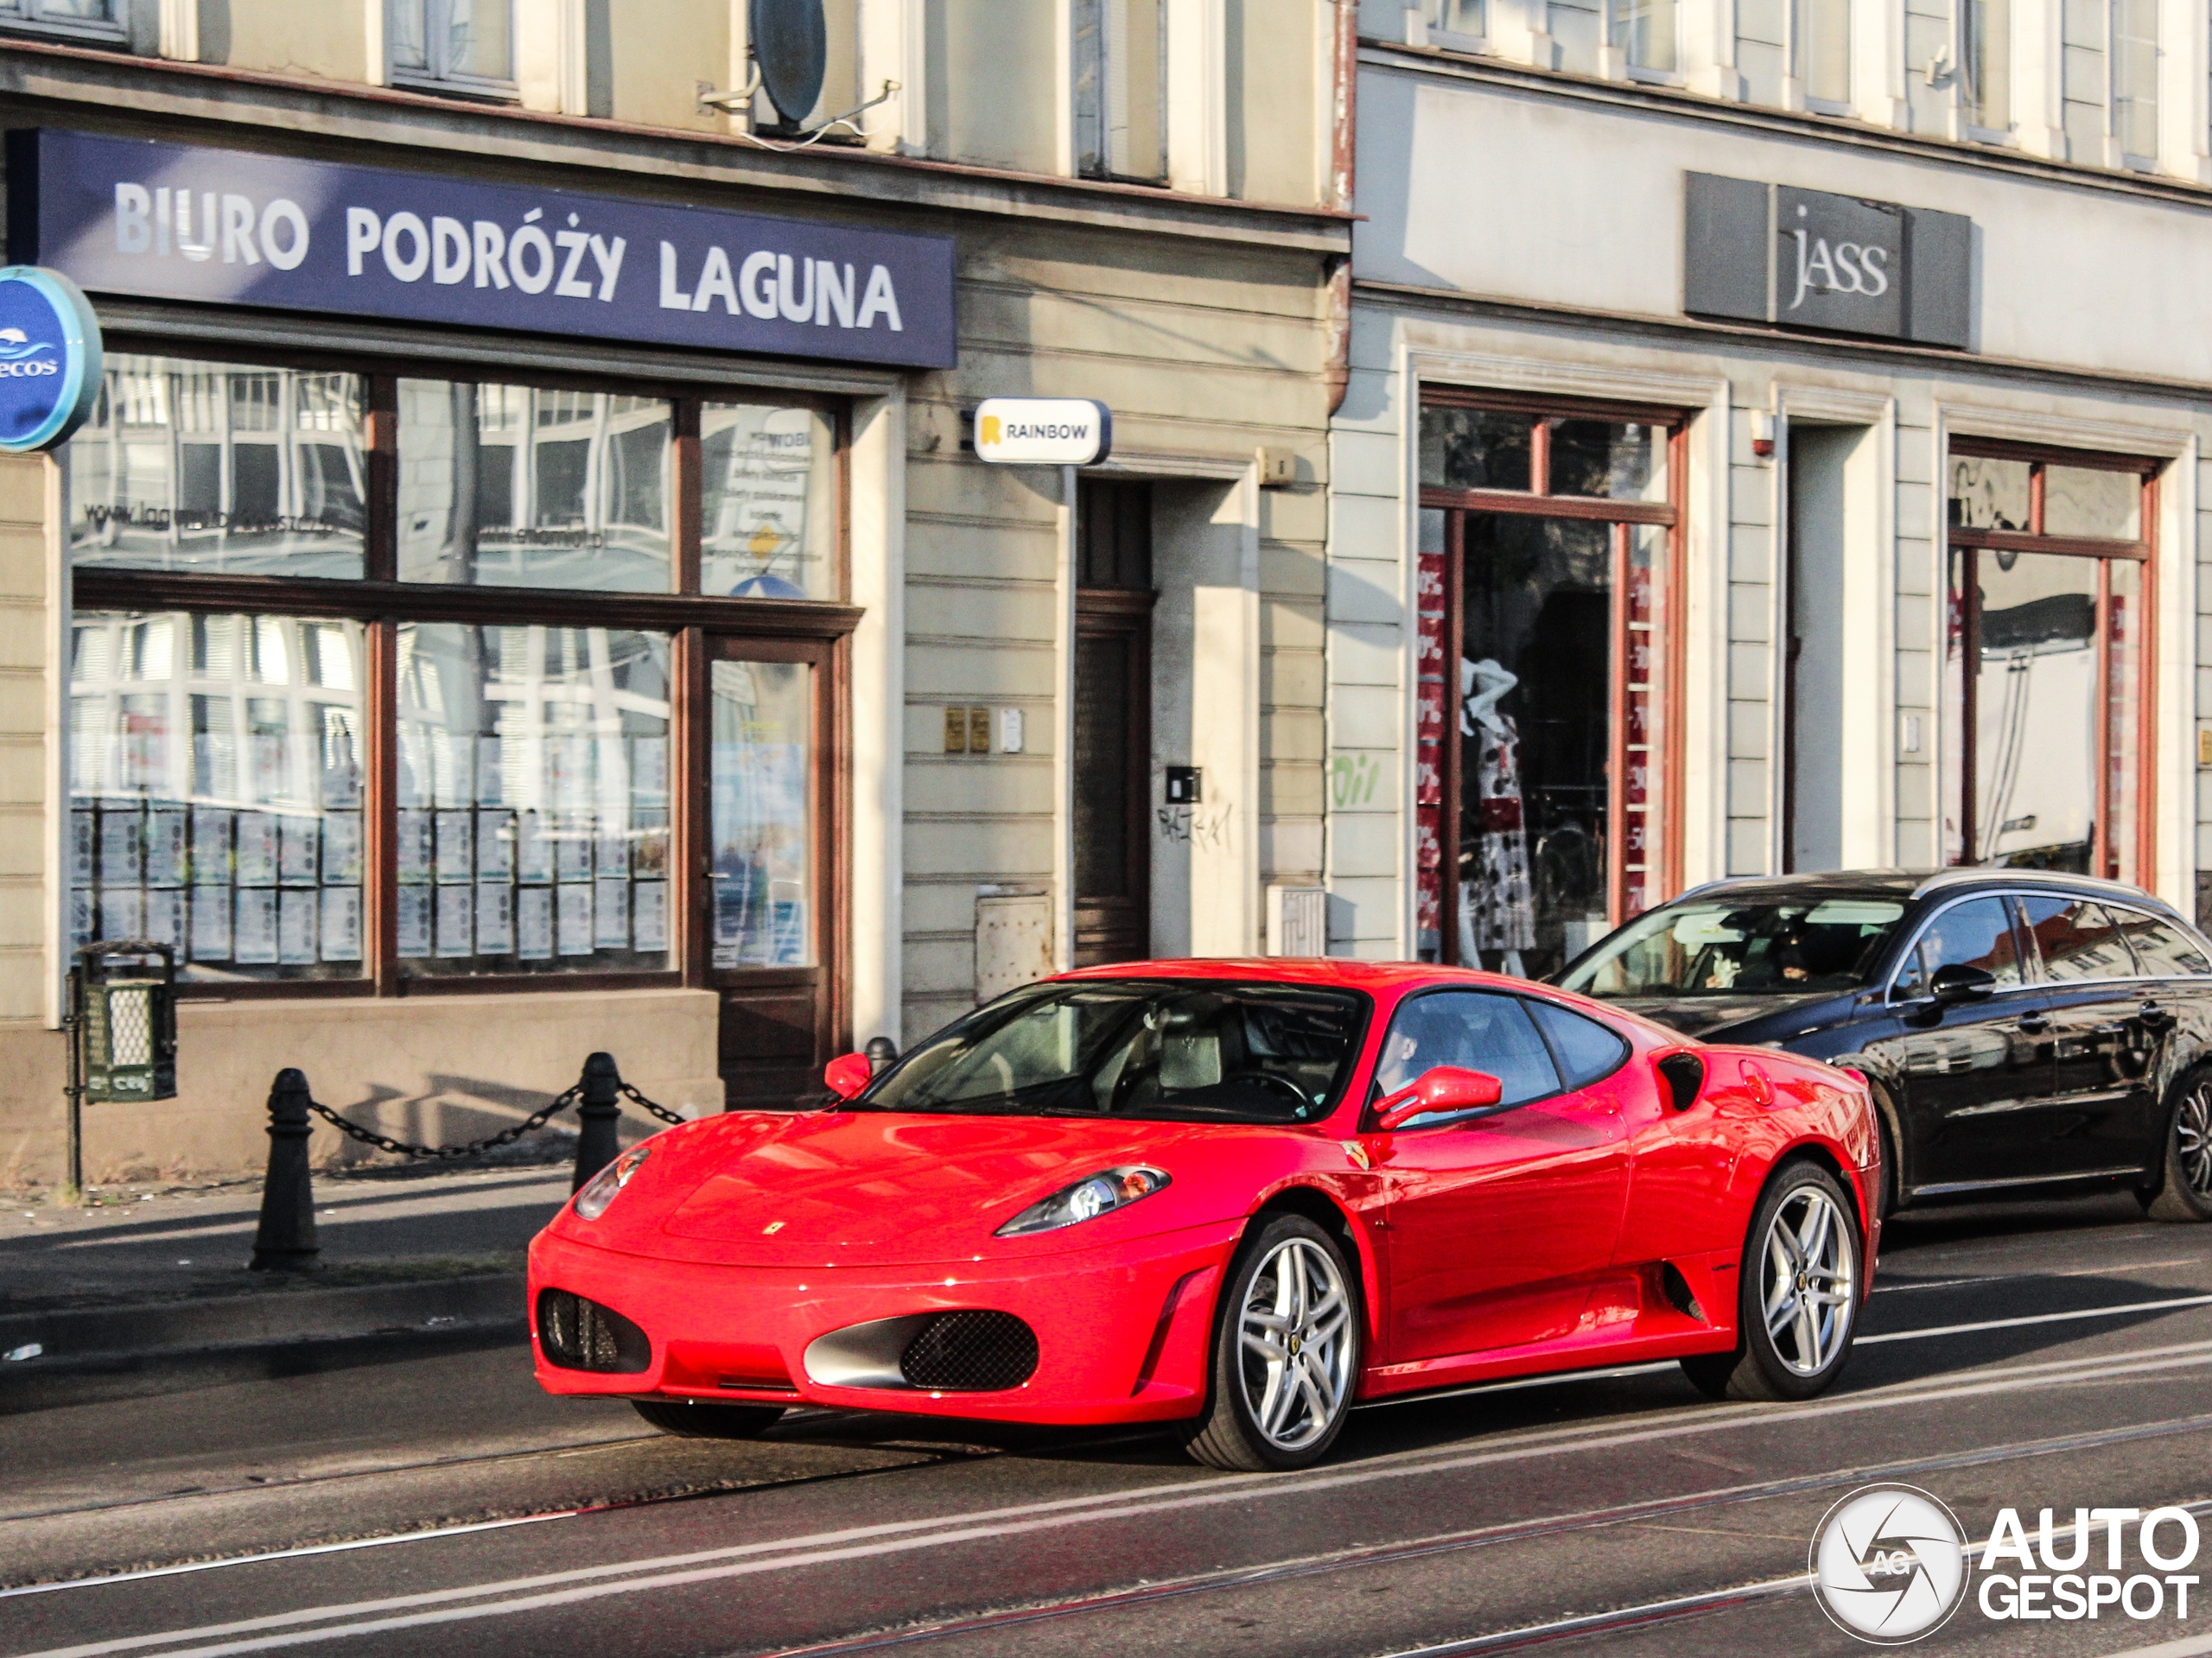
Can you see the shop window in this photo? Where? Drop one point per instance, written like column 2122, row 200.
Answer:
column 532, row 791
column 1544, row 803
column 220, row 468
column 464, row 46
column 215, row 791
column 768, row 525
column 2046, row 675
column 762, row 829
column 511, row 487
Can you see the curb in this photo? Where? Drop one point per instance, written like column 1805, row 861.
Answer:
column 93, row 1334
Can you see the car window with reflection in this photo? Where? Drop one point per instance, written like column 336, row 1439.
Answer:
column 1977, row 933
column 1181, row 1050
column 1716, row 947
column 2077, row 940
column 2162, row 950
column 1475, row 1030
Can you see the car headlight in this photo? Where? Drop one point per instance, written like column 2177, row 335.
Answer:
column 601, row 1189
column 1109, row 1190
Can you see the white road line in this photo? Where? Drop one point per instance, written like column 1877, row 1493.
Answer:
column 2188, row 1646
column 286, row 1553
column 2037, row 1318
column 2071, row 1271
column 590, row 1583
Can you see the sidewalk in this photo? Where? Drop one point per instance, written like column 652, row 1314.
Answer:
column 146, row 1270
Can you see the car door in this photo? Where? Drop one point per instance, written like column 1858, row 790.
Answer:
column 1966, row 1070
column 2169, row 1016
column 1498, row 1220
column 2103, row 1049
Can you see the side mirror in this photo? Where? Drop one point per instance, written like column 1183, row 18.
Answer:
column 1956, row 982
column 1442, row 1087
column 847, row 1074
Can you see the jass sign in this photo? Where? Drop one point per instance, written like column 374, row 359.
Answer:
column 1812, row 259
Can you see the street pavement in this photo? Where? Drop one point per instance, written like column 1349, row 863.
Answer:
column 2052, row 1355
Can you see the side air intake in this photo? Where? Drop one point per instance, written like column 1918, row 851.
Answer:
column 580, row 1335
column 1684, row 1074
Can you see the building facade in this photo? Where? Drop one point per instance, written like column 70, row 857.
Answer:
column 1772, row 442
column 470, row 635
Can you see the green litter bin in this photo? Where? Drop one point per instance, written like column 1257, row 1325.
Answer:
column 126, row 1020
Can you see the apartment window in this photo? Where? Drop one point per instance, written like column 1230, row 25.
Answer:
column 385, row 685
column 2135, row 79
column 1809, row 40
column 89, row 20
column 1546, row 800
column 1644, row 34
column 1986, row 65
column 465, row 46
column 1119, row 70
column 2046, row 669
column 1460, row 22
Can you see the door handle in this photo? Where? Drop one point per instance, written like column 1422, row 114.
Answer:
column 2034, row 1024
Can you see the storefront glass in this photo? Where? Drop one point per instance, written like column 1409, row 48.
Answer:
column 768, row 522
column 1544, row 560
column 2044, row 716
column 761, row 773
column 215, row 788
column 532, row 827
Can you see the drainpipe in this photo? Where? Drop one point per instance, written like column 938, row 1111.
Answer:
column 1340, row 196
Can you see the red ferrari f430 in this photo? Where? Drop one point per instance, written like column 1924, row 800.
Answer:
column 1234, row 1198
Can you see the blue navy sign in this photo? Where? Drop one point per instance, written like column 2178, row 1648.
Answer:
column 166, row 221
column 49, row 358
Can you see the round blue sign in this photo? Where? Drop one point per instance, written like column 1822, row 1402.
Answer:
column 49, row 358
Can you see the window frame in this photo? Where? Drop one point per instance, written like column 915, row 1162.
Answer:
column 693, row 621
column 1444, row 1120
column 2022, row 944
column 1666, row 792
column 1970, row 544
column 28, row 17
column 437, row 77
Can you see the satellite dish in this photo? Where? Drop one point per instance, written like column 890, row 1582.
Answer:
column 791, row 44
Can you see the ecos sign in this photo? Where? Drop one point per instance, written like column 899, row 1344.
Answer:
column 49, row 358
column 1043, row 431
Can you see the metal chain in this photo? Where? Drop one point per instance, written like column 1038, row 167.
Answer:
column 531, row 1124
column 660, row 1111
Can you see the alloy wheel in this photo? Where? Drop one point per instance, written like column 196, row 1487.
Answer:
column 1807, row 1288
column 2193, row 1139
column 1294, row 1332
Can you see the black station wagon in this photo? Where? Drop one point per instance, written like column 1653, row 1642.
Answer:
column 2026, row 1033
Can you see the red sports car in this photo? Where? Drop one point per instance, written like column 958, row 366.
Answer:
column 1233, row 1196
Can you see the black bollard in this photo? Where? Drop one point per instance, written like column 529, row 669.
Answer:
column 598, row 1113
column 882, row 1054
column 286, row 1241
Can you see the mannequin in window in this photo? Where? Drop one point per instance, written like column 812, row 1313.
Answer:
column 1498, row 910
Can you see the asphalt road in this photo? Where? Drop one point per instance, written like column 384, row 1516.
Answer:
column 2051, row 1356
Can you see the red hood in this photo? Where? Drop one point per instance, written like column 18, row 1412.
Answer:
column 848, row 1188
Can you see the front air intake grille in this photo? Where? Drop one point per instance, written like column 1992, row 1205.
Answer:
column 580, row 1335
column 970, row 1352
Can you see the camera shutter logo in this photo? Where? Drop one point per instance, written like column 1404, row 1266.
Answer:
column 1889, row 1563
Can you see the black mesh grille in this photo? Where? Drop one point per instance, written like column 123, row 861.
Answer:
column 970, row 1352
column 580, row 1335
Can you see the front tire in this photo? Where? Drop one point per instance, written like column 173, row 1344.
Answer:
column 707, row 1421
column 1286, row 1352
column 2184, row 1192
column 1797, row 1306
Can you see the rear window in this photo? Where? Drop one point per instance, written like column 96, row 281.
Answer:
column 2162, row 950
column 1588, row 1051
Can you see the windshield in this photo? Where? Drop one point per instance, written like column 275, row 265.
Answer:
column 1732, row 949
column 1182, row 1049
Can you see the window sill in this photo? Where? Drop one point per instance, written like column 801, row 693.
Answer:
column 474, row 91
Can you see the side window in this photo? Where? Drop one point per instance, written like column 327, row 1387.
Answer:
column 1586, row 1051
column 1475, row 1029
column 2162, row 950
column 1977, row 933
column 2077, row 940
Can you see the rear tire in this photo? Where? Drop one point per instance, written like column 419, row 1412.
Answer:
column 1797, row 1303
column 1286, row 1345
column 2184, row 1192
column 707, row 1421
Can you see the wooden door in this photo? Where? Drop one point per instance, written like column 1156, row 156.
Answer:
column 1112, row 773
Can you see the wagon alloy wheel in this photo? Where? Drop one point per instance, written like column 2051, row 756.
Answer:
column 1286, row 1351
column 1797, row 1308
column 1808, row 1287
column 2183, row 1188
column 1296, row 1364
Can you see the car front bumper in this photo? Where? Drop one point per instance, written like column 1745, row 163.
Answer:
column 1123, row 1332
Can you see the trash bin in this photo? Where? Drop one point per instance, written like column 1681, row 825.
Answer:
column 125, row 1008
